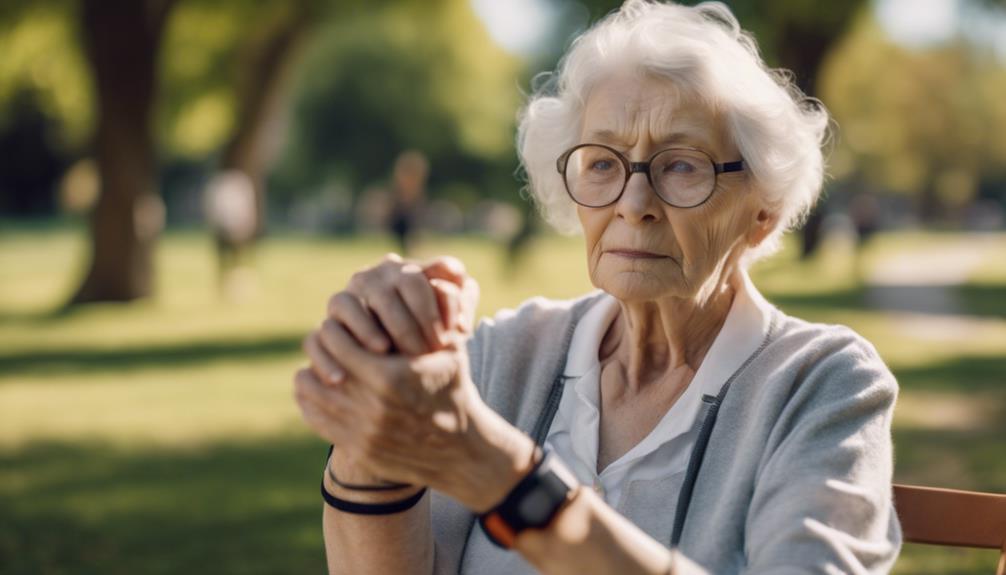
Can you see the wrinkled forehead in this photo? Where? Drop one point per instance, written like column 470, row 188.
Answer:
column 622, row 108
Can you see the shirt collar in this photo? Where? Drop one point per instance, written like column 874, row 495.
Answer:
column 746, row 324
column 587, row 336
column 743, row 330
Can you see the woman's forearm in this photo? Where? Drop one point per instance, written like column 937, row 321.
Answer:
column 588, row 536
column 361, row 544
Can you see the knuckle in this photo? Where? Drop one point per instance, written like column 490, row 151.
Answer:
column 416, row 282
column 329, row 327
column 355, row 281
column 362, row 278
column 337, row 303
column 391, row 261
column 390, row 275
column 381, row 298
column 412, row 271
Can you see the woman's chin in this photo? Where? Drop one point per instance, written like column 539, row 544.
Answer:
column 636, row 286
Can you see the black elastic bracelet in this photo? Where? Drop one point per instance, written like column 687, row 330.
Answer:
column 371, row 508
column 359, row 486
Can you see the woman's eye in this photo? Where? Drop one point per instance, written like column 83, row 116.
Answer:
column 679, row 166
column 601, row 165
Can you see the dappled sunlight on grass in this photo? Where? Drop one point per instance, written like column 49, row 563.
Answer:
column 160, row 436
column 240, row 507
column 182, row 406
column 948, row 411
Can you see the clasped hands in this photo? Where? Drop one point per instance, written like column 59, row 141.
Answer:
column 388, row 383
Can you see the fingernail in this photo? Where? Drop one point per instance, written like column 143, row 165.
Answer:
column 336, row 376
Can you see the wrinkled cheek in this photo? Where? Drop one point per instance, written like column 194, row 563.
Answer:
column 595, row 270
column 716, row 249
column 594, row 261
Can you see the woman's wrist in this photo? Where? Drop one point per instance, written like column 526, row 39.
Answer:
column 353, row 474
column 501, row 455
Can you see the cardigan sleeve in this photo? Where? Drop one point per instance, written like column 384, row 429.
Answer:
column 822, row 498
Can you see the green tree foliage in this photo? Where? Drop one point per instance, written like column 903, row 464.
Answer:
column 924, row 122
column 42, row 57
column 421, row 75
column 202, row 67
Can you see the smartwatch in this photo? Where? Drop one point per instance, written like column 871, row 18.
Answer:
column 532, row 503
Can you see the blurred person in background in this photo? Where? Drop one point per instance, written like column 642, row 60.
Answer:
column 229, row 206
column 673, row 420
column 408, row 185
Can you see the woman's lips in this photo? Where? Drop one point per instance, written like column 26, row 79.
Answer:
column 635, row 254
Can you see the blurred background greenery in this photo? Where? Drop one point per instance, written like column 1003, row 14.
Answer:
column 146, row 423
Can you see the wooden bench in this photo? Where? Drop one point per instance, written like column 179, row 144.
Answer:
column 936, row 516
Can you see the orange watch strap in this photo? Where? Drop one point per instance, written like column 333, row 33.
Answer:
column 499, row 530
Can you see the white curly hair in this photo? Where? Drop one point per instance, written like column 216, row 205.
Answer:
column 703, row 50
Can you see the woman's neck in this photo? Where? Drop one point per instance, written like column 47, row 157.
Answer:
column 653, row 339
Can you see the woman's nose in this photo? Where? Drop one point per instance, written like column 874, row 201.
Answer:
column 639, row 202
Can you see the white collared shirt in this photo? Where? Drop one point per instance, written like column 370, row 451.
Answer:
column 664, row 452
column 643, row 484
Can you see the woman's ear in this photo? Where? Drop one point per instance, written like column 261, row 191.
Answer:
column 765, row 222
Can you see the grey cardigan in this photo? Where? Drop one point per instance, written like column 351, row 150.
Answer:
column 791, row 472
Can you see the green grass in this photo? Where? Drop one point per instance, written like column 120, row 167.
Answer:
column 160, row 437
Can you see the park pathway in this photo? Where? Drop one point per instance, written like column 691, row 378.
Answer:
column 919, row 290
column 921, row 287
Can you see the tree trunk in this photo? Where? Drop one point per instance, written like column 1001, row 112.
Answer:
column 803, row 46
column 122, row 39
column 264, row 71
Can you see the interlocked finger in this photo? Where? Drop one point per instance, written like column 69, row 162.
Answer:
column 418, row 295
column 325, row 368
column 394, row 314
column 322, row 408
column 351, row 311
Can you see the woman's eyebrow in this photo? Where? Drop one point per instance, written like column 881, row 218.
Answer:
column 603, row 136
column 607, row 136
column 681, row 138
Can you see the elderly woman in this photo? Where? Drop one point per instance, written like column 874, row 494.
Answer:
column 673, row 421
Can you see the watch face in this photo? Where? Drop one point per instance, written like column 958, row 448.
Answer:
column 539, row 504
column 536, row 507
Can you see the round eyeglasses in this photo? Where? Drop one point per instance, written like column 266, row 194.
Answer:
column 596, row 175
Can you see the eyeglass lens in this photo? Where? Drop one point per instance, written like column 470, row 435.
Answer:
column 595, row 176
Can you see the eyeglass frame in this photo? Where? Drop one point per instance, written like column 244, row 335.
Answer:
column 644, row 167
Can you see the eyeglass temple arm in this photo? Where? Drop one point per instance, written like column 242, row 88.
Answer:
column 729, row 167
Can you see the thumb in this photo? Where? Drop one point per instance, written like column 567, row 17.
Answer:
column 448, row 302
column 446, row 268
column 457, row 305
